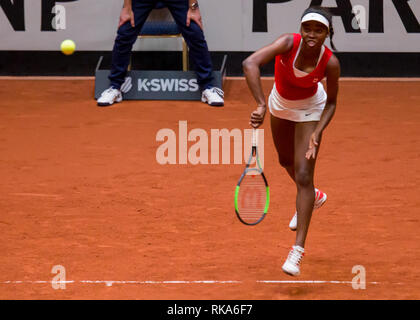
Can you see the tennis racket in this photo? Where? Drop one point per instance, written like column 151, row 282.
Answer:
column 252, row 194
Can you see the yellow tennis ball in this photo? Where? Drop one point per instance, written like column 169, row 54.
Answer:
column 68, row 47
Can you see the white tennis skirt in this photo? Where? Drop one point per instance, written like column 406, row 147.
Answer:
column 309, row 109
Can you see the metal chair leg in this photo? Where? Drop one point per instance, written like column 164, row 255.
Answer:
column 185, row 62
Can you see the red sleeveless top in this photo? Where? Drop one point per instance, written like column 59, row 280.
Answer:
column 287, row 84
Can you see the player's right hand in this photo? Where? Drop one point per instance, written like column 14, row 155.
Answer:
column 313, row 145
column 127, row 14
column 257, row 117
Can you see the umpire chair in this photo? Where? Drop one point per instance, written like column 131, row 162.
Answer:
column 160, row 24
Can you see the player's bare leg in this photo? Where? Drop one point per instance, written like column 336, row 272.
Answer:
column 304, row 173
column 304, row 178
column 283, row 132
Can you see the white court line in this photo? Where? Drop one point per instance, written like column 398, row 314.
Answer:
column 111, row 282
column 310, row 282
column 160, row 282
column 29, row 194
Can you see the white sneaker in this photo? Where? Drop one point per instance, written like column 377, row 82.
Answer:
column 293, row 261
column 109, row 96
column 320, row 198
column 213, row 96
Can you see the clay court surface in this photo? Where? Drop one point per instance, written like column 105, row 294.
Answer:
column 81, row 187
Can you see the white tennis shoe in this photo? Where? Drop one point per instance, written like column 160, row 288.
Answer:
column 320, row 198
column 213, row 96
column 293, row 261
column 109, row 96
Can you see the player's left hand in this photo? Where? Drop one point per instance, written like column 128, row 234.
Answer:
column 313, row 145
column 195, row 16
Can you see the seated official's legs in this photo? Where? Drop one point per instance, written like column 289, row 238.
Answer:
column 199, row 52
column 126, row 37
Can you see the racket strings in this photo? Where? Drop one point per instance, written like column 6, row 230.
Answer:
column 252, row 198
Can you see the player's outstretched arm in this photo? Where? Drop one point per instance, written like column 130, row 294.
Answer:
column 251, row 67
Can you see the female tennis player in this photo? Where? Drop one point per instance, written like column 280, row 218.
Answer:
column 300, row 110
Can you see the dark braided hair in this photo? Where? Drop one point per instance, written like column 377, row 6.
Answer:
column 325, row 13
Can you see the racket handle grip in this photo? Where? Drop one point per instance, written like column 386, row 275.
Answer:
column 254, row 137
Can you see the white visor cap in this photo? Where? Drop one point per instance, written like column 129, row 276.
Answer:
column 312, row 16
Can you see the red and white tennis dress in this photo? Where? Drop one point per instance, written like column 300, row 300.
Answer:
column 298, row 96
